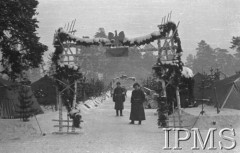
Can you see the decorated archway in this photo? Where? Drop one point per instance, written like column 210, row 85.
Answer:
column 167, row 69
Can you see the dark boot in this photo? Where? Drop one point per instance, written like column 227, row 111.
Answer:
column 116, row 112
column 132, row 122
column 121, row 113
column 139, row 122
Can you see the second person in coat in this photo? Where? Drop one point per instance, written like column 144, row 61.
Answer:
column 137, row 109
column 119, row 98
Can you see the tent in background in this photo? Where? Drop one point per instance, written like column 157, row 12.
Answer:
column 228, row 92
column 207, row 93
column 45, row 91
column 9, row 100
column 197, row 83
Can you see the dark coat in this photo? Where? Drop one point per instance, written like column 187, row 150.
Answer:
column 137, row 110
column 119, row 98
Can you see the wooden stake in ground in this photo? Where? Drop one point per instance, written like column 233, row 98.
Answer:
column 179, row 106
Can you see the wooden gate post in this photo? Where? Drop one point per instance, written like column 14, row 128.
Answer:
column 60, row 119
column 178, row 98
column 179, row 106
column 57, row 100
column 75, row 94
column 60, row 112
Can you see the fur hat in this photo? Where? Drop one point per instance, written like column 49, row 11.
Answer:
column 136, row 84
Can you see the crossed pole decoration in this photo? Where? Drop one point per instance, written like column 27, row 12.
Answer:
column 59, row 99
column 67, row 53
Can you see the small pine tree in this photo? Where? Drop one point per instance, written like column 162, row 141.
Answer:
column 25, row 107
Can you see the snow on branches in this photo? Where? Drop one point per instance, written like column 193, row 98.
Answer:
column 70, row 65
column 63, row 36
column 187, row 72
column 143, row 39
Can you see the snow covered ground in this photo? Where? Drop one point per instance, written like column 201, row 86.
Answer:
column 101, row 132
column 229, row 118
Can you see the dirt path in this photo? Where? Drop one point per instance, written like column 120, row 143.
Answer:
column 102, row 132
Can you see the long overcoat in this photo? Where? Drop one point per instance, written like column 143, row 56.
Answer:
column 119, row 98
column 137, row 110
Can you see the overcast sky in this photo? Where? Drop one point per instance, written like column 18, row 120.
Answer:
column 214, row 21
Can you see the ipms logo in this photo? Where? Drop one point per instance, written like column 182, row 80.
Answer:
column 225, row 134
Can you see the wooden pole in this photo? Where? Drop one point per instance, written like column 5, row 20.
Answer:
column 67, row 27
column 57, row 99
column 172, row 47
column 173, row 108
column 170, row 16
column 178, row 98
column 179, row 106
column 159, row 49
column 69, row 31
column 67, row 123
column 75, row 94
column 73, row 31
column 217, row 104
column 163, row 88
column 60, row 112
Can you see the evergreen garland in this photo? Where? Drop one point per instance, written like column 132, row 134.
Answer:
column 169, row 72
column 68, row 75
column 63, row 36
column 64, row 73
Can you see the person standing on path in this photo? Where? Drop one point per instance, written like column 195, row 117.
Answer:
column 119, row 98
column 137, row 110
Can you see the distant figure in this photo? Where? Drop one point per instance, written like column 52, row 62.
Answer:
column 119, row 98
column 137, row 110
